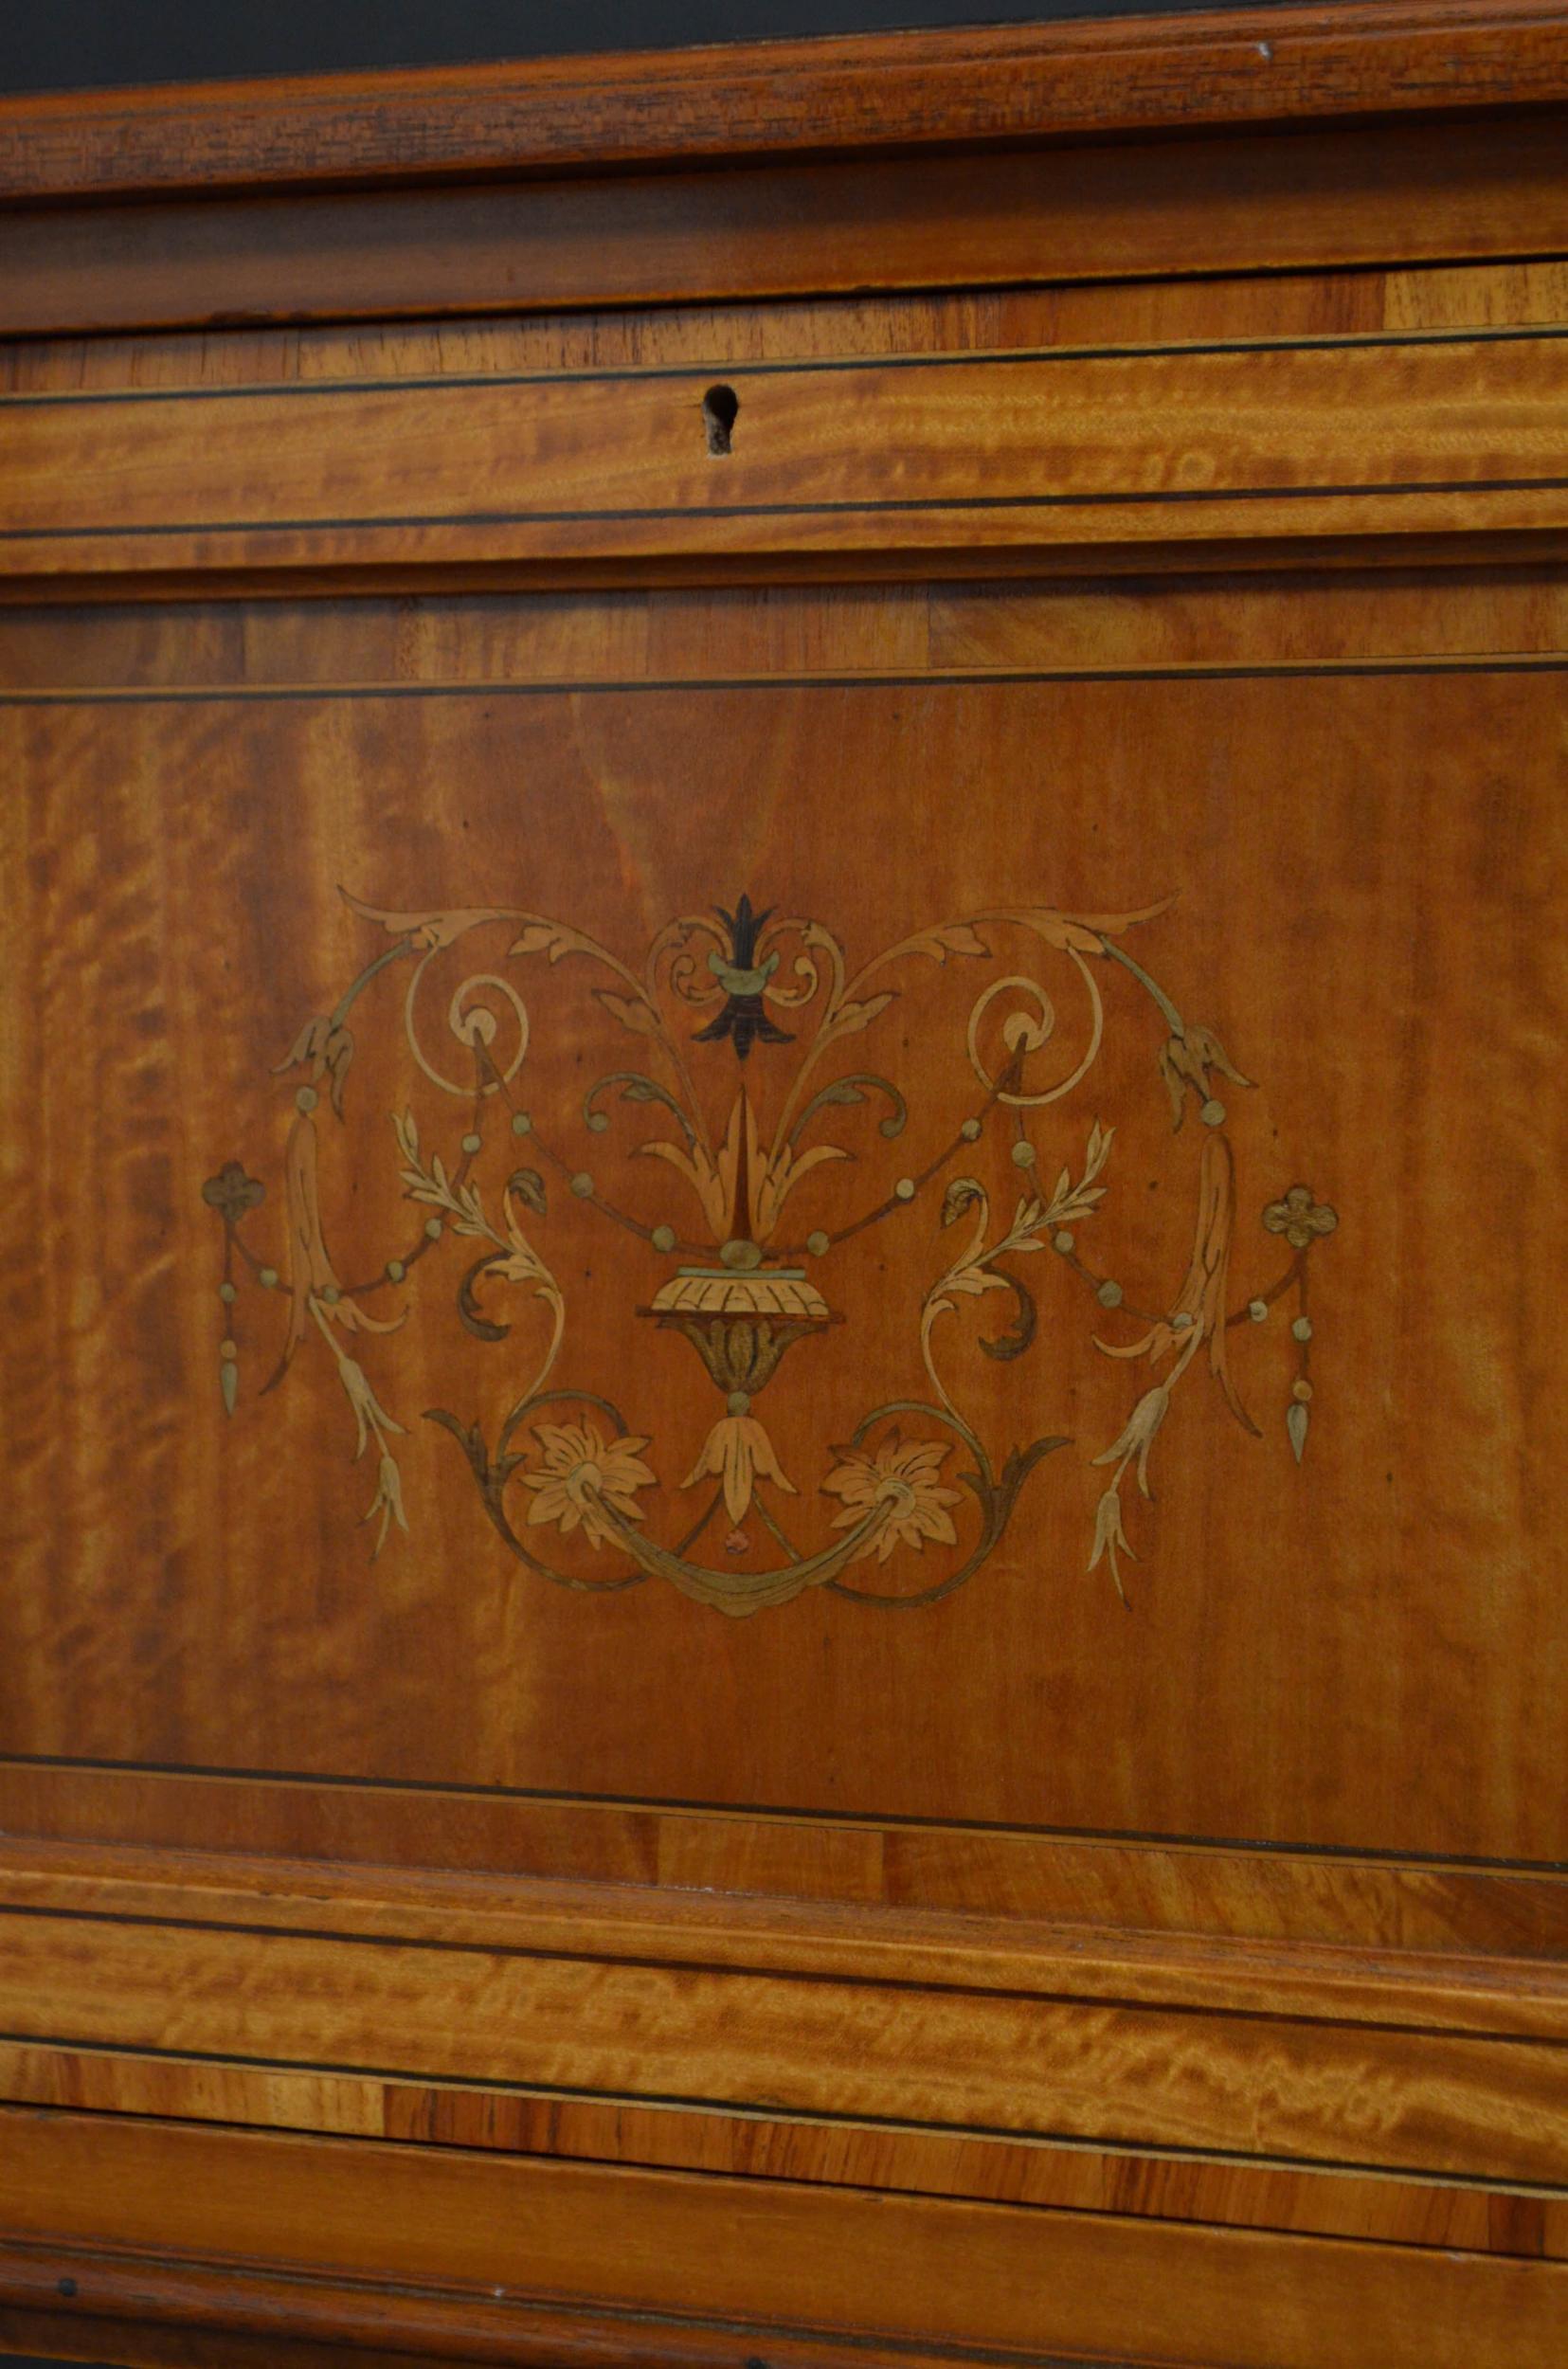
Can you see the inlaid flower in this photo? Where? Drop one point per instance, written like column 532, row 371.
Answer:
column 905, row 1477
column 1300, row 1216
column 231, row 1192
column 739, row 1452
column 583, row 1475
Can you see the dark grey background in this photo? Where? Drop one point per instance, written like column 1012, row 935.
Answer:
column 48, row 45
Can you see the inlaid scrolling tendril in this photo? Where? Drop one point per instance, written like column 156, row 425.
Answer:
column 718, row 998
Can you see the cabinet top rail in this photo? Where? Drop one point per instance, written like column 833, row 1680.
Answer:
column 855, row 93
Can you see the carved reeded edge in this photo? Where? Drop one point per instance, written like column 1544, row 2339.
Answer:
column 845, row 96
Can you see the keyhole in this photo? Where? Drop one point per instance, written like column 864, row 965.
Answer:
column 719, row 406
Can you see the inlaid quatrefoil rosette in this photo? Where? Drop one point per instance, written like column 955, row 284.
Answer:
column 745, row 1023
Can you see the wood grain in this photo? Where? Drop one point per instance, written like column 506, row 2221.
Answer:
column 858, row 92
column 1303, row 2200
column 1160, row 624
column 401, row 1959
column 1160, row 212
column 1522, row 1998
column 973, row 2061
column 946, row 1870
column 1257, row 1709
column 720, row 337
column 798, row 2260
column 1358, row 437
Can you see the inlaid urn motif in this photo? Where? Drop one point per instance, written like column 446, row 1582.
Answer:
column 744, row 1016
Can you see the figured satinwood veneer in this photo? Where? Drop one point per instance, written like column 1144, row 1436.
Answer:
column 583, row 1008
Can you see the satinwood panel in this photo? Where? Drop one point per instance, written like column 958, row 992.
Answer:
column 1353, row 896
column 779, row 1206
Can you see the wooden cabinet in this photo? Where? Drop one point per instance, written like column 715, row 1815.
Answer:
column 783, row 1142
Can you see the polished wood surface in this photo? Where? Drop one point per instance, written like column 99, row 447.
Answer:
column 1260, row 1709
column 769, row 2258
column 1011, row 2032
column 1424, row 433
column 1299, row 2198
column 1058, row 217
column 1139, row 1932
column 1230, row 309
column 858, row 92
column 1511, row 1993
column 1366, row 1902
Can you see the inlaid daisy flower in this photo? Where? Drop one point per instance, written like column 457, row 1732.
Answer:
column 907, row 1478
column 583, row 1475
